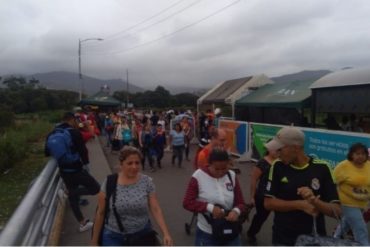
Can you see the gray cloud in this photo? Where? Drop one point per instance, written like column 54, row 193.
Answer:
column 252, row 37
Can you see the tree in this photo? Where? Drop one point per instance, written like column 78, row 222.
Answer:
column 161, row 97
column 34, row 82
column 17, row 83
column 185, row 99
column 14, row 83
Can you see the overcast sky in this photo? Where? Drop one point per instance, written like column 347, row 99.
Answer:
column 191, row 42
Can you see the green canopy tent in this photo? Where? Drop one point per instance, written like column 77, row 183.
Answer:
column 101, row 99
column 278, row 103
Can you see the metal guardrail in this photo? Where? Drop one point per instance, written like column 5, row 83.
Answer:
column 32, row 221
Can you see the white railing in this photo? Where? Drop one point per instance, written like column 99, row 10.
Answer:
column 32, row 221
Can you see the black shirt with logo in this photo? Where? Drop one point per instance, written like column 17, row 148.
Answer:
column 283, row 182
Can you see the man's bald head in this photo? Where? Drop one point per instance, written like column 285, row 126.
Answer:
column 218, row 137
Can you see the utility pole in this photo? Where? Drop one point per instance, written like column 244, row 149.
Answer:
column 79, row 63
column 127, row 100
column 79, row 68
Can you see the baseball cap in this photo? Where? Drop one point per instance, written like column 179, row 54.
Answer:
column 217, row 111
column 287, row 135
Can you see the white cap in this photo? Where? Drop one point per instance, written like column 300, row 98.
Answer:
column 288, row 135
column 217, row 111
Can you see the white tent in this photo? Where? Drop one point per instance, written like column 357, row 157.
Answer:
column 228, row 92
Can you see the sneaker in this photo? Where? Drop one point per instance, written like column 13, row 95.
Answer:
column 62, row 195
column 152, row 170
column 87, row 226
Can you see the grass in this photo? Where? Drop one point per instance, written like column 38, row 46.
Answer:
column 14, row 184
column 28, row 135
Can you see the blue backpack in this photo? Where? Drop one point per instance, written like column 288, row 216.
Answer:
column 60, row 146
column 126, row 135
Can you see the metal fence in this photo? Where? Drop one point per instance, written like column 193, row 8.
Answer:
column 32, row 221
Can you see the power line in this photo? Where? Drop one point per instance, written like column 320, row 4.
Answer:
column 166, row 18
column 143, row 21
column 176, row 31
column 112, row 36
column 118, row 35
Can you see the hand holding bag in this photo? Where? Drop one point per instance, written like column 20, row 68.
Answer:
column 223, row 230
column 315, row 239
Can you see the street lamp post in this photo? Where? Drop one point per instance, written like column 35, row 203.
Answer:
column 79, row 61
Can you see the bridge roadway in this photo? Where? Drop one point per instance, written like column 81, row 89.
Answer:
column 170, row 184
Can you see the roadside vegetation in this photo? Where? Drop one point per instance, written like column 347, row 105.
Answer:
column 22, row 157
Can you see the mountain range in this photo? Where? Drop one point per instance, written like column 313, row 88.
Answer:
column 301, row 76
column 91, row 85
column 70, row 81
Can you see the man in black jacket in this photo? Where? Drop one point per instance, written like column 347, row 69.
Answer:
column 77, row 180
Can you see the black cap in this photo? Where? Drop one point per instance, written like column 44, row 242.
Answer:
column 68, row 116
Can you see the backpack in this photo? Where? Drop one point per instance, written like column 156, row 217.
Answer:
column 60, row 146
column 126, row 135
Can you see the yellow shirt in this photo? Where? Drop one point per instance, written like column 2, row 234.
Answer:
column 353, row 183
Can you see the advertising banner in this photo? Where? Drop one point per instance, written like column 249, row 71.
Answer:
column 237, row 136
column 331, row 146
column 260, row 135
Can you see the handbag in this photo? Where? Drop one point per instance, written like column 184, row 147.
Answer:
column 315, row 239
column 223, row 230
column 148, row 238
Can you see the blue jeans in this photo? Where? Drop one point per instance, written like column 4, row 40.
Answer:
column 109, row 137
column 206, row 239
column 110, row 238
column 353, row 219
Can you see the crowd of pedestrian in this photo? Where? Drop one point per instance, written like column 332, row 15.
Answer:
column 299, row 189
